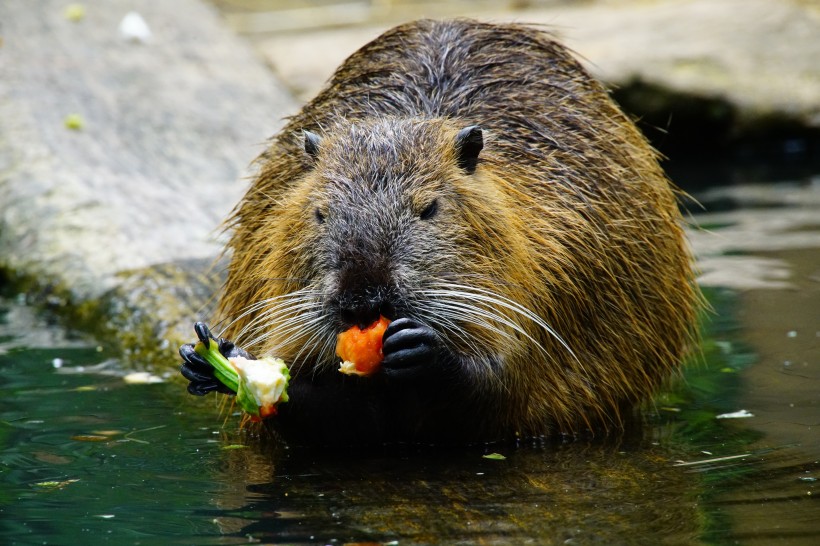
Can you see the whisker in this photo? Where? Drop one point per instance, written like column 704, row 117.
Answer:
column 254, row 307
column 449, row 327
column 279, row 314
column 328, row 349
column 294, row 327
column 469, row 312
column 471, row 309
column 475, row 315
column 297, row 327
column 319, row 333
column 262, row 303
column 477, row 294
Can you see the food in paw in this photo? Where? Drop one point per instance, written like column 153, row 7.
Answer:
column 361, row 349
column 263, row 382
column 260, row 385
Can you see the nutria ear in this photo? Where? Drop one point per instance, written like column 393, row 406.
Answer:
column 312, row 143
column 469, row 142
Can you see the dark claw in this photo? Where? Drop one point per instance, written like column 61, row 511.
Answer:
column 409, row 336
column 199, row 371
column 190, row 373
column 190, row 356
column 193, row 362
column 229, row 349
column 203, row 332
column 408, row 358
column 203, row 388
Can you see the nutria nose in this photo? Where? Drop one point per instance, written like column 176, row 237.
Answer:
column 359, row 315
column 365, row 314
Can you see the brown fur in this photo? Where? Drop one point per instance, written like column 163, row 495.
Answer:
column 567, row 214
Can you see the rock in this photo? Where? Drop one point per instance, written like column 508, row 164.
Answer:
column 757, row 59
column 134, row 195
column 758, row 55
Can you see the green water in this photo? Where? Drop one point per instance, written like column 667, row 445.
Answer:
column 86, row 457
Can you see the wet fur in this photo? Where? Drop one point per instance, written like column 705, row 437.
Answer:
column 567, row 217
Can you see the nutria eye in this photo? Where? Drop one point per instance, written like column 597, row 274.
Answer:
column 320, row 218
column 430, row 210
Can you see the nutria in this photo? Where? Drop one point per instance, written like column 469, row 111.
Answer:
column 472, row 183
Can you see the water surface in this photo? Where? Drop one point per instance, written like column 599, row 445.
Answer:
column 86, row 456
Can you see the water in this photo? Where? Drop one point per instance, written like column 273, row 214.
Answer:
column 86, row 456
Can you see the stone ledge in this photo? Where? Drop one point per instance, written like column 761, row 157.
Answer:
column 136, row 187
column 755, row 59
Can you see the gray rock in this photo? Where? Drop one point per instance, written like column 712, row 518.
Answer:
column 760, row 56
column 120, row 155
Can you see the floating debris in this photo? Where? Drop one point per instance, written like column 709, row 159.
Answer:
column 89, row 438
column 741, row 414
column 54, row 484
column 86, row 388
column 142, row 378
column 129, row 437
column 494, row 456
column 74, row 122
column 74, row 12
column 714, row 460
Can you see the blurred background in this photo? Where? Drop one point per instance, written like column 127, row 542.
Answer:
column 702, row 76
column 127, row 132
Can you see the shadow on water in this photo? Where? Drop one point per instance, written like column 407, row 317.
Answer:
column 559, row 494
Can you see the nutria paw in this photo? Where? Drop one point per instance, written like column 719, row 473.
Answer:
column 199, row 371
column 412, row 350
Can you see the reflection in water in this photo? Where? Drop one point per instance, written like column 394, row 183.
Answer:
column 87, row 454
column 778, row 499
column 551, row 494
column 738, row 247
column 767, row 247
column 783, row 389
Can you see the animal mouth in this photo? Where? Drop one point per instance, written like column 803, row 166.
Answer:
column 364, row 314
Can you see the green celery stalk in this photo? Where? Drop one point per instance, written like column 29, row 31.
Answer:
column 223, row 370
column 227, row 374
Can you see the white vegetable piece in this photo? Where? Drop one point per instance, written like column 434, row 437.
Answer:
column 265, row 379
column 349, row 368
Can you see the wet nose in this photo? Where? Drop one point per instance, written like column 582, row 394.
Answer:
column 361, row 315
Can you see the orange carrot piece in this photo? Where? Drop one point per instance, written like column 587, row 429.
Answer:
column 361, row 349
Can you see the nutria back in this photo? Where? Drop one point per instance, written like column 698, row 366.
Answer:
column 472, row 183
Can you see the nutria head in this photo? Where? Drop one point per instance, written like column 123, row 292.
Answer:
column 386, row 214
column 384, row 217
